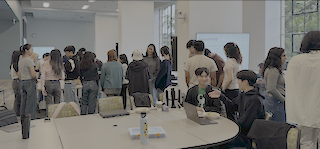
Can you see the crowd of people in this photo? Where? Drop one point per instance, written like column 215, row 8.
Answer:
column 214, row 84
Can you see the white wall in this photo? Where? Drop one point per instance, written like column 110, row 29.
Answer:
column 16, row 8
column 272, row 25
column 61, row 34
column 10, row 41
column 106, row 35
column 156, row 29
column 136, row 26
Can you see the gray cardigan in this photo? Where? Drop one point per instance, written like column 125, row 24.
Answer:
column 275, row 83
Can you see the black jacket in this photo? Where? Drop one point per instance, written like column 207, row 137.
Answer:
column 72, row 67
column 210, row 104
column 249, row 107
column 164, row 76
column 138, row 75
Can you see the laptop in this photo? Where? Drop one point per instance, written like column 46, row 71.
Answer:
column 192, row 114
column 114, row 113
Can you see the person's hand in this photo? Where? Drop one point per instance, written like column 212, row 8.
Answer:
column 44, row 92
column 214, row 94
column 150, row 80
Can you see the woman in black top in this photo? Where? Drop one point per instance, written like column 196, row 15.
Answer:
column 89, row 77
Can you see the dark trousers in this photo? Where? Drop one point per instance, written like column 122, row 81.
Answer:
column 124, row 95
column 17, row 95
column 28, row 98
column 53, row 89
column 231, row 94
column 89, row 97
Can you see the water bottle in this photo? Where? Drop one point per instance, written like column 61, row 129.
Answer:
column 144, row 138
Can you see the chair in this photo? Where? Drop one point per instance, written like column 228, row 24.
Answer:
column 66, row 111
column 110, row 103
column 133, row 105
column 172, row 96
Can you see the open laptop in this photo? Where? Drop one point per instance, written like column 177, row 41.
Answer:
column 192, row 114
column 114, row 113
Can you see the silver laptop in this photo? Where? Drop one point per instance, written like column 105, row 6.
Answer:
column 192, row 114
column 114, row 113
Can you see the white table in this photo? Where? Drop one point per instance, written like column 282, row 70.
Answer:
column 42, row 136
column 93, row 131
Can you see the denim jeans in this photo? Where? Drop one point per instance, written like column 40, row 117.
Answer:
column 28, row 98
column 17, row 95
column 153, row 91
column 277, row 109
column 53, row 89
column 89, row 97
column 70, row 92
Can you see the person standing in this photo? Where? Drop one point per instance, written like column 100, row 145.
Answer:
column 72, row 68
column 190, row 47
column 275, row 83
column 302, row 91
column 164, row 77
column 153, row 62
column 89, row 77
column 45, row 58
column 27, row 75
column 197, row 61
column 15, row 81
column 111, row 75
column 123, row 59
column 220, row 64
column 51, row 72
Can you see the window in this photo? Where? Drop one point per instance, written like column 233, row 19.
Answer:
column 298, row 17
column 167, row 25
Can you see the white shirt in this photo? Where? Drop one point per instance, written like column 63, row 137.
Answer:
column 231, row 63
column 196, row 62
column 303, row 90
column 124, row 69
column 13, row 73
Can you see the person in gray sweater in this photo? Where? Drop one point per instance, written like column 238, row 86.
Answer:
column 153, row 62
column 275, row 83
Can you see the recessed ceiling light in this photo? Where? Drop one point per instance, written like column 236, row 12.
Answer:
column 91, row 1
column 85, row 6
column 117, row 10
column 46, row 4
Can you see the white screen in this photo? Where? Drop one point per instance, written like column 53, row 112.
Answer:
column 42, row 50
column 216, row 41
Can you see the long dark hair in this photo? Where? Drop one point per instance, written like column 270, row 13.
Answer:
column 273, row 59
column 154, row 51
column 310, row 41
column 24, row 48
column 56, row 62
column 165, row 50
column 80, row 55
column 15, row 60
column 232, row 51
column 124, row 59
column 87, row 61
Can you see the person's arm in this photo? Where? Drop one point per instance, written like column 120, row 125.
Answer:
column 187, row 77
column 63, row 75
column 213, row 78
column 221, row 76
column 271, row 84
column 19, row 75
column 230, row 105
column 33, row 73
column 229, row 79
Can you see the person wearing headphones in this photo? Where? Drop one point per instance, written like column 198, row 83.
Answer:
column 197, row 61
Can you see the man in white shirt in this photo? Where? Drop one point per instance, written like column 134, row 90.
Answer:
column 197, row 61
column 302, row 91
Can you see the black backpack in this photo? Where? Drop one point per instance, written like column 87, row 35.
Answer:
column 141, row 99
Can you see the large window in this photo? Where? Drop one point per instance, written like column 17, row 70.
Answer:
column 298, row 18
column 167, row 25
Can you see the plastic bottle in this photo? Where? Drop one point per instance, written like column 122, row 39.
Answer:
column 144, row 138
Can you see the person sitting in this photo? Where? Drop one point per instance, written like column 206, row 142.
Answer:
column 247, row 104
column 199, row 95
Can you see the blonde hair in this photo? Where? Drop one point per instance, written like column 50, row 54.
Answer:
column 34, row 56
column 112, row 55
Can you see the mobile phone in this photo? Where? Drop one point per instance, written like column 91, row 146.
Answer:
column 47, row 120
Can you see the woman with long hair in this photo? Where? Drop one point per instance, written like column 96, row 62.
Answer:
column 15, row 81
column 111, row 75
column 153, row 62
column 124, row 61
column 275, row 83
column 27, row 75
column 231, row 68
column 51, row 72
column 163, row 79
column 89, row 77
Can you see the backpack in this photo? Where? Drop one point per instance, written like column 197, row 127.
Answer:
column 141, row 99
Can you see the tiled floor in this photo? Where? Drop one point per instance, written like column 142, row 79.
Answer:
column 6, row 85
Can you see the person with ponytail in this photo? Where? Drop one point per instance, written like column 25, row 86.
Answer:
column 164, row 77
column 27, row 75
column 15, row 81
column 275, row 83
column 51, row 72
